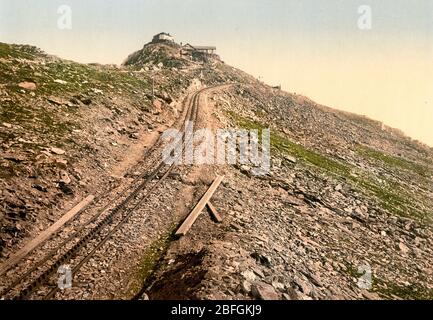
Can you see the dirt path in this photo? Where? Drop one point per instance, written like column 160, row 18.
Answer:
column 181, row 270
column 135, row 152
column 119, row 268
column 133, row 160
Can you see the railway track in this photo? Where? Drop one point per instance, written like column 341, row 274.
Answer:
column 39, row 282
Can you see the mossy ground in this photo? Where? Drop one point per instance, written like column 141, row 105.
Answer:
column 47, row 124
column 392, row 197
column 390, row 290
column 394, row 161
column 150, row 259
column 79, row 78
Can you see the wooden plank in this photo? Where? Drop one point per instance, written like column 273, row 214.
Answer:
column 186, row 225
column 32, row 244
column 214, row 212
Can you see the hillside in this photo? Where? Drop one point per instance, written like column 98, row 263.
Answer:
column 64, row 124
column 343, row 190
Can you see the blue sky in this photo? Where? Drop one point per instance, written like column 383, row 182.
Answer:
column 313, row 47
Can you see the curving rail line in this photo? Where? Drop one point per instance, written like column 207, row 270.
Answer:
column 97, row 229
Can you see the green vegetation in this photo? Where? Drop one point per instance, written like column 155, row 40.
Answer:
column 164, row 53
column 39, row 120
column 18, row 51
column 13, row 112
column 394, row 161
column 352, row 271
column 392, row 197
column 30, row 109
column 79, row 78
column 151, row 257
column 283, row 145
column 84, row 78
column 389, row 290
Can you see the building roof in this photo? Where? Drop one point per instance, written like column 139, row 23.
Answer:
column 199, row 47
column 164, row 33
column 188, row 45
column 204, row 47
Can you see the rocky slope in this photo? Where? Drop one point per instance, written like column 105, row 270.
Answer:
column 65, row 128
column 344, row 191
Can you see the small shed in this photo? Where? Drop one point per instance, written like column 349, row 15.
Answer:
column 202, row 49
column 205, row 49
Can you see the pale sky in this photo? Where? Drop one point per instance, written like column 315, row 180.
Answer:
column 311, row 47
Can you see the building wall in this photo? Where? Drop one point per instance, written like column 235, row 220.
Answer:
column 163, row 37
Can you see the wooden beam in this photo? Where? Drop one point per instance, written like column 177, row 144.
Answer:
column 186, row 225
column 213, row 211
column 44, row 235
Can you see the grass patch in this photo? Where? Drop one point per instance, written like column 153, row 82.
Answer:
column 390, row 195
column 283, row 145
column 389, row 290
column 394, row 161
column 18, row 51
column 36, row 119
column 80, row 78
column 352, row 271
column 15, row 113
column 150, row 259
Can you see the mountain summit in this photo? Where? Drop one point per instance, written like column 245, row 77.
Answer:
column 163, row 51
